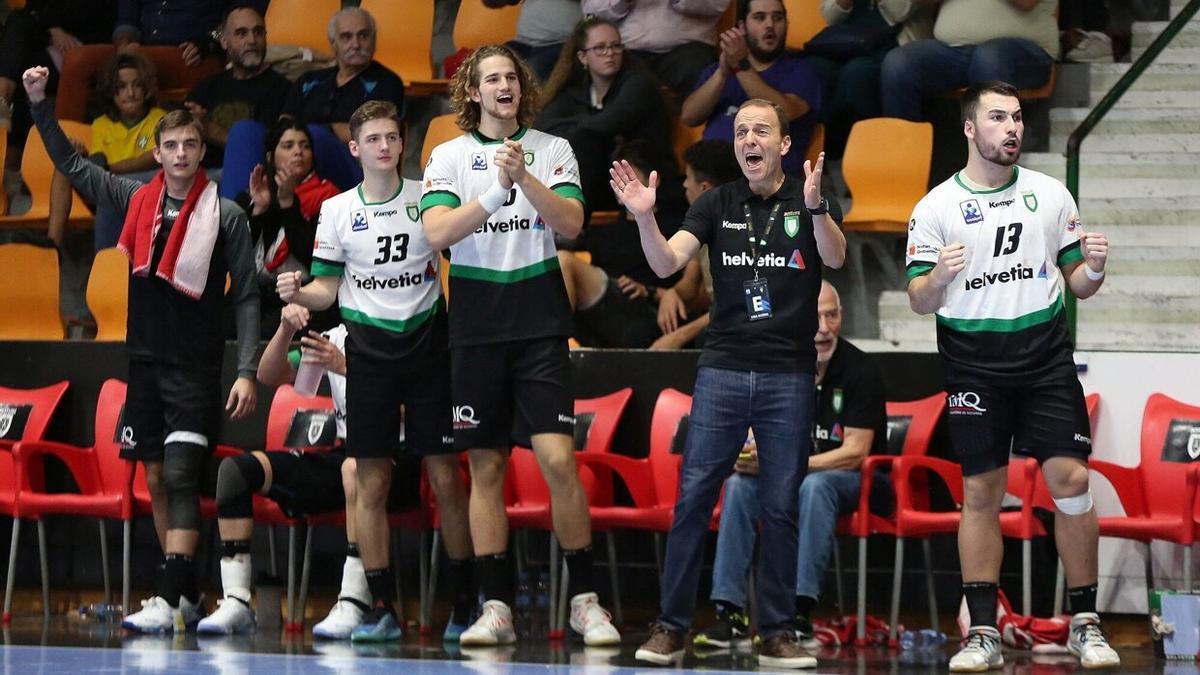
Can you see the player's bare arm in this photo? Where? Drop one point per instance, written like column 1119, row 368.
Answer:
column 927, row 292
column 317, row 294
column 1086, row 276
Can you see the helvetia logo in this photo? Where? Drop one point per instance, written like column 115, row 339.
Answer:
column 403, row 280
column 513, row 224
column 746, row 260
column 1017, row 273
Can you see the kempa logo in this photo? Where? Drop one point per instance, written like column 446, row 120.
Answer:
column 725, row 224
column 513, row 224
column 566, row 419
column 961, row 403
column 384, row 214
column 746, row 260
column 1017, row 273
column 464, row 417
column 996, row 205
column 1080, row 438
column 403, row 280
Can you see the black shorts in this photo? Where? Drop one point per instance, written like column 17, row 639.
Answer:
column 1041, row 418
column 375, row 392
column 507, row 391
column 165, row 399
column 308, row 483
column 618, row 321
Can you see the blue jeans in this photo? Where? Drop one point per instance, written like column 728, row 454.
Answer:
column 245, row 148
column 824, row 495
column 727, row 403
column 928, row 67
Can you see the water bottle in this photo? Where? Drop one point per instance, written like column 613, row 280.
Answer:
column 922, row 639
column 539, row 627
column 524, row 609
column 308, row 378
column 101, row 611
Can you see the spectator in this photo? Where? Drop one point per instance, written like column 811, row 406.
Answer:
column 753, row 65
column 1014, row 41
column 324, row 100
column 543, row 27
column 618, row 300
column 676, row 37
column 597, row 100
column 122, row 141
column 284, row 200
column 247, row 89
column 851, row 77
column 850, row 423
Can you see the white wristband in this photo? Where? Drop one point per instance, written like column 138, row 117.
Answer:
column 1094, row 276
column 493, row 198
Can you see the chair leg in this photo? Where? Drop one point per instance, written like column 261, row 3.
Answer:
column 1187, row 568
column 1149, row 566
column 1027, row 577
column 271, row 549
column 658, row 555
column 554, row 591
column 837, row 577
column 613, row 578
column 12, row 568
column 430, row 588
column 41, row 527
column 423, row 595
column 104, row 562
column 291, row 570
column 125, row 558
column 304, row 574
column 897, row 570
column 1059, row 582
column 861, row 626
column 930, row 589
column 560, row 617
column 396, row 543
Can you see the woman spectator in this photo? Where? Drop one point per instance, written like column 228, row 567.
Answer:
column 284, row 200
column 597, row 99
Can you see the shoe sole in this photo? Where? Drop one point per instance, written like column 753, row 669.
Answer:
column 327, row 635
column 796, row 662
column 373, row 638
column 657, row 658
column 603, row 641
column 240, row 630
column 145, row 631
column 1094, row 666
column 465, row 641
column 981, row 669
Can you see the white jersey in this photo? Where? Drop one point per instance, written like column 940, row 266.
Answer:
column 390, row 288
column 1004, row 311
column 504, row 278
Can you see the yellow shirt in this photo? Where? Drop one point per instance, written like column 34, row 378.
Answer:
column 118, row 142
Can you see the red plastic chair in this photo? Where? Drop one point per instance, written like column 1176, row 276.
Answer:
column 1159, row 495
column 24, row 415
column 653, row 482
column 103, row 481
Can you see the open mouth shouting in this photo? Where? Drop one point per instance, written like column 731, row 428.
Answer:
column 753, row 159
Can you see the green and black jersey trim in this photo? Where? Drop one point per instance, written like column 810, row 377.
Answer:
column 568, row 190
column 393, row 325
column 487, row 140
column 1002, row 188
column 1072, row 253
column 1013, row 325
column 327, row 268
column 916, row 269
column 439, row 198
column 504, row 276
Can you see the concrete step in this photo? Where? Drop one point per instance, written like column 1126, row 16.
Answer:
column 1140, row 100
column 1106, row 211
column 1172, row 54
column 1158, row 77
column 1124, row 174
column 1151, row 235
column 1145, row 32
column 1151, row 336
column 1126, row 120
column 1132, row 141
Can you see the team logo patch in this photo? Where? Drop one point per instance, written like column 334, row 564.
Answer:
column 430, row 271
column 315, row 427
column 1193, row 447
column 528, row 158
column 539, row 224
column 414, row 213
column 972, row 214
column 837, row 401
column 1073, row 223
column 791, row 224
column 358, row 220
column 1042, row 272
column 796, row 262
column 478, row 162
column 558, row 170
column 1030, row 199
column 835, row 434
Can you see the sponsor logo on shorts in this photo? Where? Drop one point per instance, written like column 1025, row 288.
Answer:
column 725, row 224
column 464, row 417
column 447, row 440
column 746, row 260
column 513, row 224
column 1018, row 273
column 403, row 280
column 566, row 419
column 1080, row 438
column 127, row 440
column 965, row 403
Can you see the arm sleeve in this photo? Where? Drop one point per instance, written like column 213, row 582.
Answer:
column 440, row 186
column 713, row 8
column 328, row 258
column 610, row 10
column 243, row 288
column 94, row 183
column 1069, row 228
column 925, row 241
column 564, row 179
column 699, row 218
column 635, row 102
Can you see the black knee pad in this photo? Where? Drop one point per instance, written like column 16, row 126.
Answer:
column 181, row 476
column 238, row 478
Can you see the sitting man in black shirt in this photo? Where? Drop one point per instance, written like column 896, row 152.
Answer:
column 247, row 90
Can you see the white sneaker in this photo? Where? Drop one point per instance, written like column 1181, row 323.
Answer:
column 342, row 620
column 592, row 621
column 156, row 616
column 1088, row 641
column 980, row 651
column 1093, row 47
column 189, row 615
column 232, row 615
column 494, row 627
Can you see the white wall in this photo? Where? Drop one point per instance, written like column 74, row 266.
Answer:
column 1124, row 381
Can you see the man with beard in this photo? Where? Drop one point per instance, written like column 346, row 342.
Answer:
column 753, row 65
column 986, row 249
column 247, row 90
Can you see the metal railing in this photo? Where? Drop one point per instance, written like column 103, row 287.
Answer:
column 1110, row 99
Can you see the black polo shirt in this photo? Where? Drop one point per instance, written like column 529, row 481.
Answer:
column 316, row 98
column 789, row 262
column 850, row 395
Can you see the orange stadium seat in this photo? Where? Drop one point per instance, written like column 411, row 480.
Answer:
column 38, row 170
column 477, row 25
column 303, row 23
column 411, row 57
column 80, row 65
column 816, row 144
column 29, row 293
column 108, row 294
column 441, row 129
column 3, row 156
column 887, row 170
column 804, row 21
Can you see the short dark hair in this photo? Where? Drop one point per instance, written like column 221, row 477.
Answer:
column 109, row 80
column 712, row 161
column 785, row 126
column 970, row 98
column 743, row 8
column 375, row 110
column 177, row 119
column 637, row 152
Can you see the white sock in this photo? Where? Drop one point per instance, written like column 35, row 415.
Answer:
column 235, row 576
column 354, row 581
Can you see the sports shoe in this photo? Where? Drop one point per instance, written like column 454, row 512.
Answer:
column 494, row 627
column 454, row 631
column 732, row 628
column 664, row 646
column 1093, row 47
column 379, row 625
column 1088, row 641
column 189, row 615
column 806, row 635
column 980, row 651
column 156, row 616
column 592, row 621
column 345, row 616
column 233, row 615
column 782, row 650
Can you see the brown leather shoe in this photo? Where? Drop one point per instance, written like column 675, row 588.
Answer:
column 782, row 650
column 664, row 646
